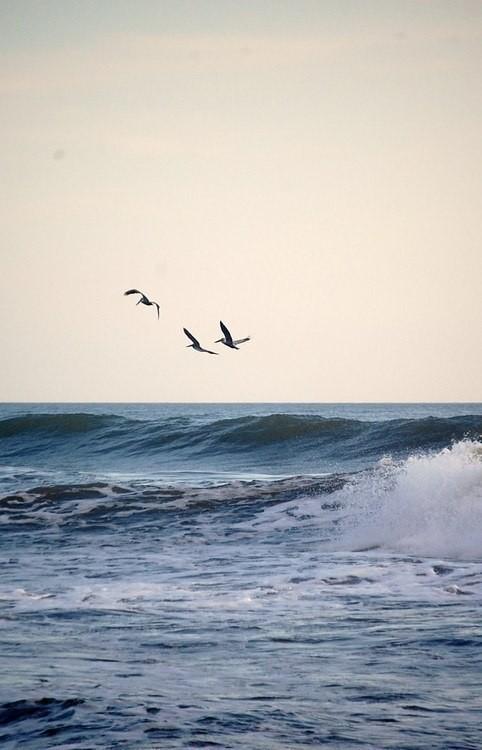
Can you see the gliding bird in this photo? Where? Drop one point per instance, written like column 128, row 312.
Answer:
column 228, row 339
column 143, row 299
column 195, row 343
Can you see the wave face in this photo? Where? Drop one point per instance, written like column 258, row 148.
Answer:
column 280, row 442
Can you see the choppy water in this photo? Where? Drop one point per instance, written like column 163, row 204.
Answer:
column 256, row 576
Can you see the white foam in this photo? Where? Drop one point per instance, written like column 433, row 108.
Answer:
column 428, row 505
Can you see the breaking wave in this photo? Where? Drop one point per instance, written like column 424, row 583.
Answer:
column 429, row 504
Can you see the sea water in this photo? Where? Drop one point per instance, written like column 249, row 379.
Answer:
column 262, row 576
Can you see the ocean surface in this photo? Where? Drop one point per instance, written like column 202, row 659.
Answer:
column 256, row 576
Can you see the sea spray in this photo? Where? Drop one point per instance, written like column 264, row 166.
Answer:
column 429, row 504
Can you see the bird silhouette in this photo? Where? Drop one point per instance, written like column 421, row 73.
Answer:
column 227, row 340
column 144, row 300
column 195, row 343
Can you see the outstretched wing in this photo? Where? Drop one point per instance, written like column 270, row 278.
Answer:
column 241, row 341
column 227, row 335
column 133, row 291
column 155, row 303
column 208, row 351
column 190, row 336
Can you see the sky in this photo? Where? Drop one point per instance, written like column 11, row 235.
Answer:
column 307, row 171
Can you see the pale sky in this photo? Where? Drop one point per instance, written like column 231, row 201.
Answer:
column 308, row 171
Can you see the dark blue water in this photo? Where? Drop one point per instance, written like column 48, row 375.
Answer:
column 240, row 576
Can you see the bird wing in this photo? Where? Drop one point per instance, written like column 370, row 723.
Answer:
column 134, row 291
column 190, row 336
column 227, row 335
column 155, row 303
column 241, row 341
column 208, row 351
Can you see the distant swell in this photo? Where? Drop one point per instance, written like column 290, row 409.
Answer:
column 95, row 434
column 55, row 424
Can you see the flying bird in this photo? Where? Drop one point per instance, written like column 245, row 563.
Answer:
column 195, row 343
column 227, row 340
column 143, row 299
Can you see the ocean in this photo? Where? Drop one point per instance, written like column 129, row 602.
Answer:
column 255, row 576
